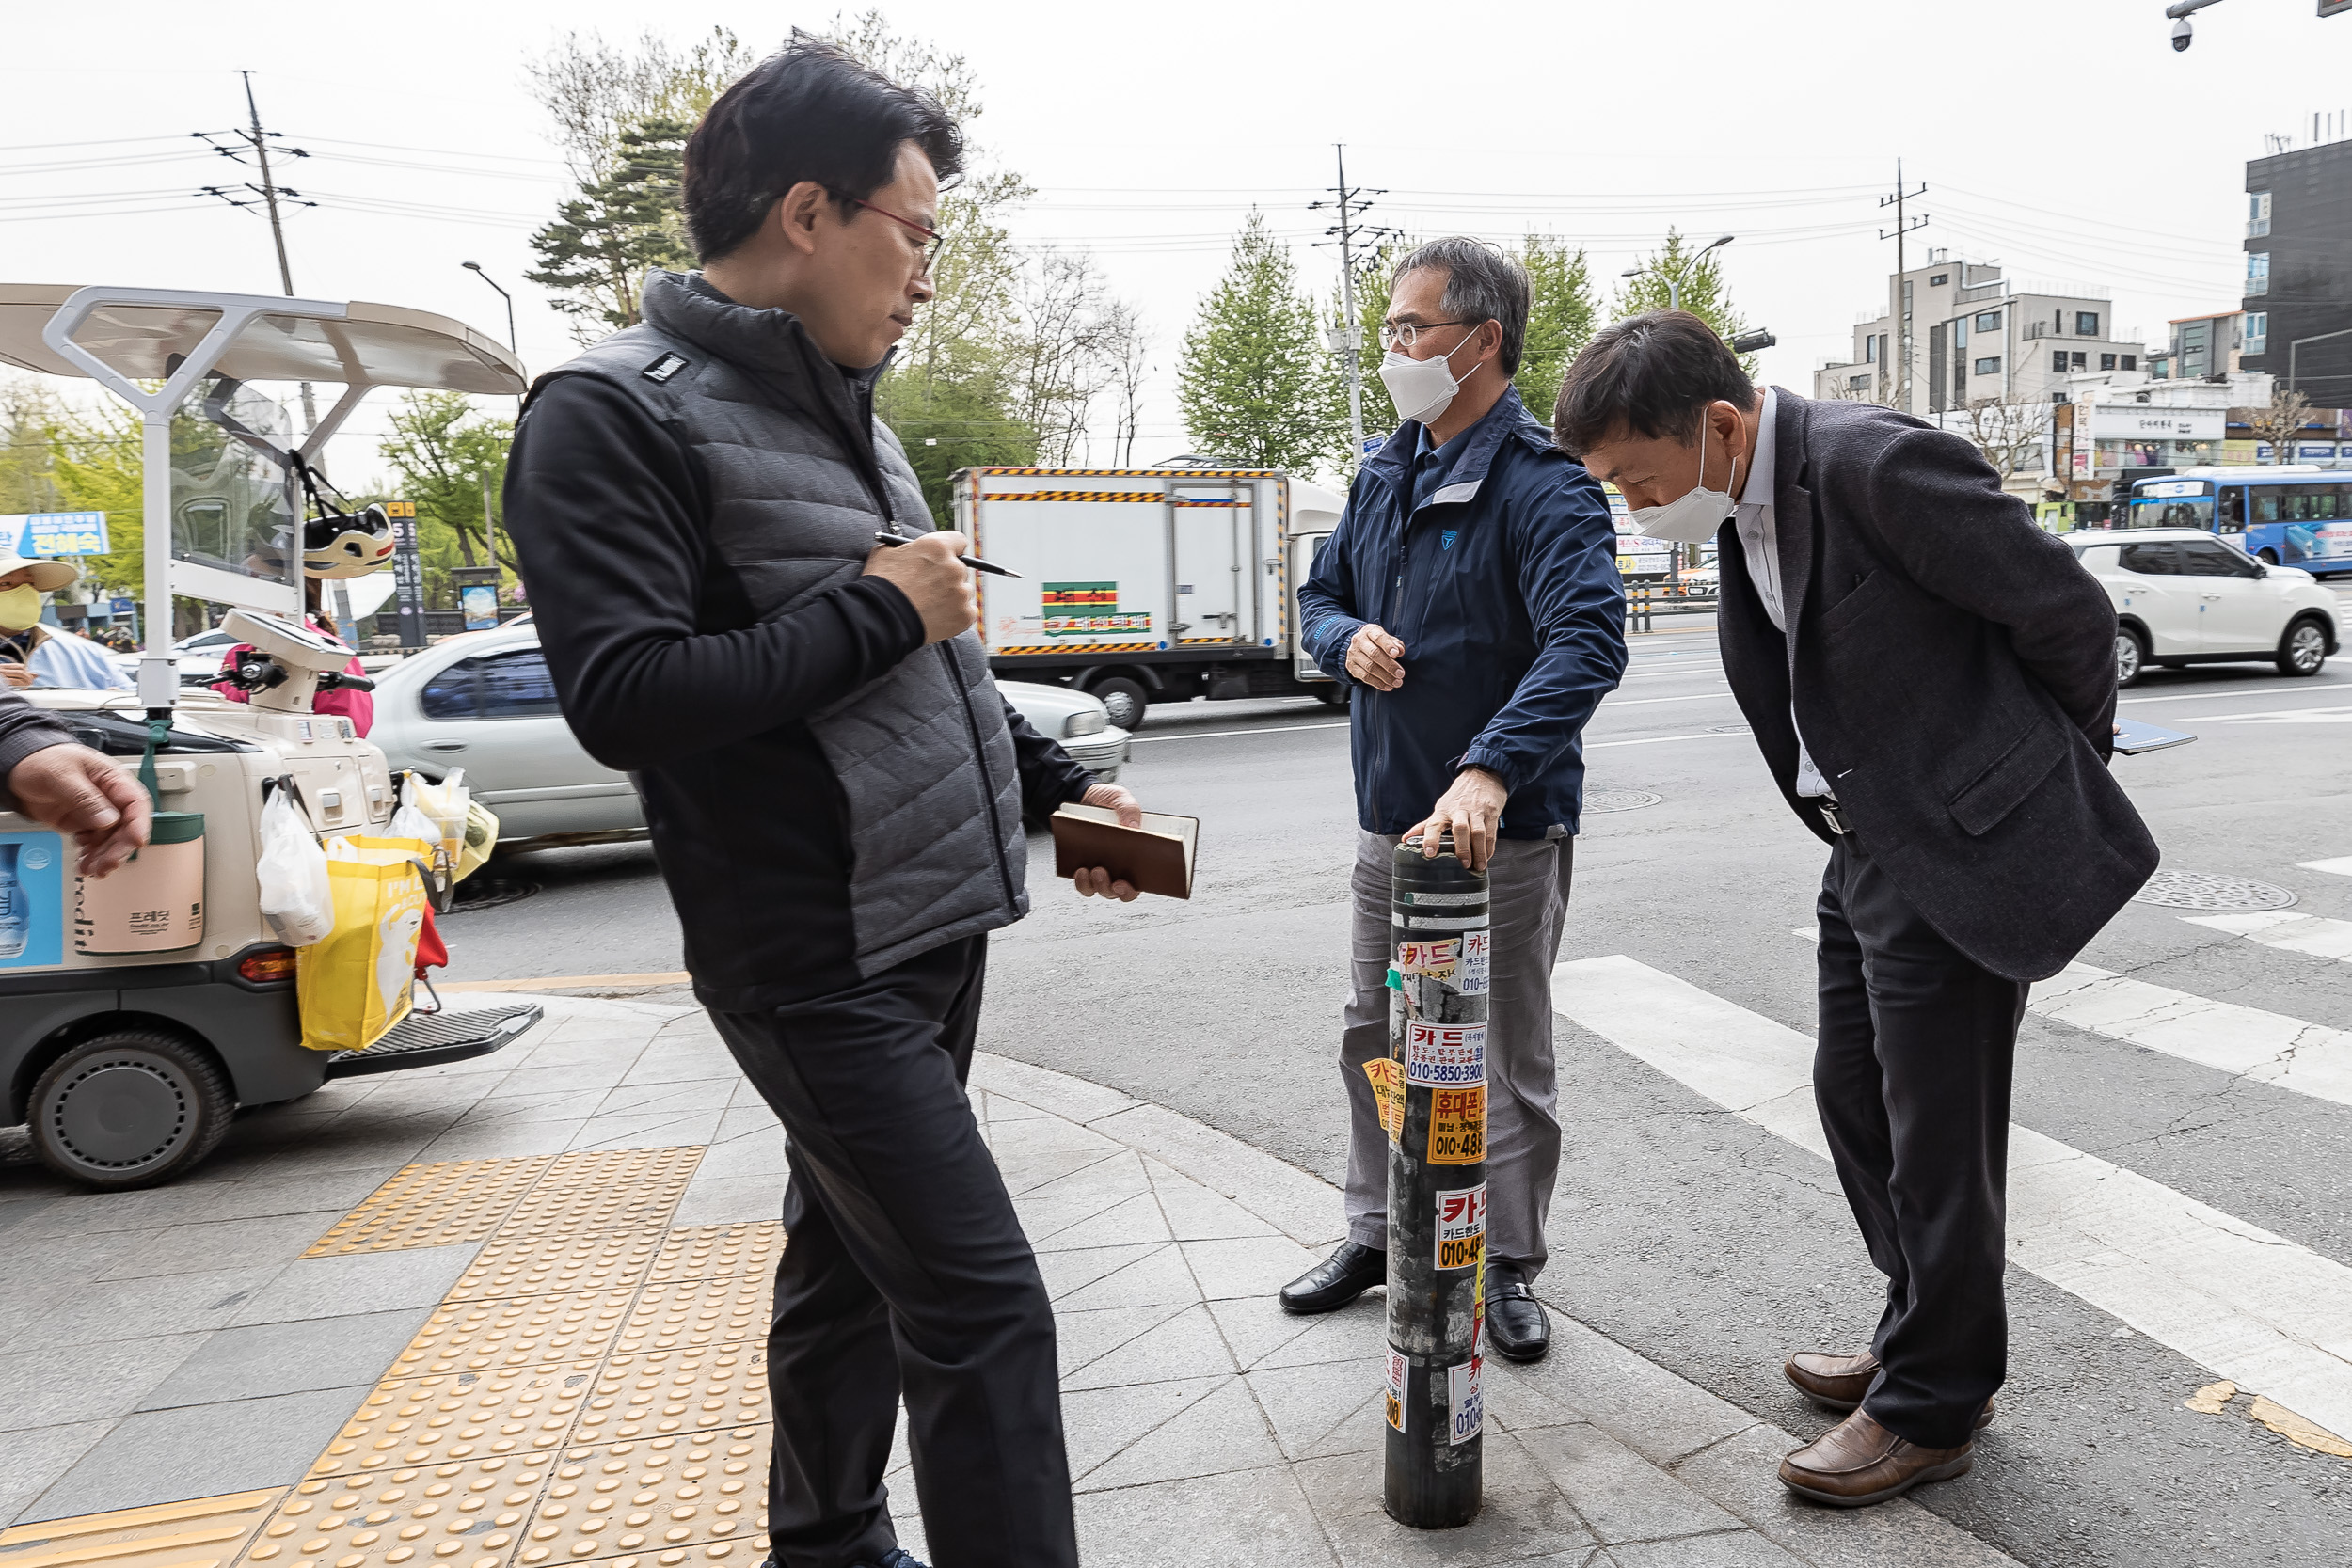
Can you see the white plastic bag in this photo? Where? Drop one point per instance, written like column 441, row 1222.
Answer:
column 408, row 822
column 443, row 804
column 297, row 899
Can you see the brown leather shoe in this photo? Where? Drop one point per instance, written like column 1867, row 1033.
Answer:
column 1839, row 1381
column 1858, row 1462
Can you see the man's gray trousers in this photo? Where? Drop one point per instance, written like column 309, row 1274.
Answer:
column 1528, row 889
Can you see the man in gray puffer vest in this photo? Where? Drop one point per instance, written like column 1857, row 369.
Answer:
column 834, row 784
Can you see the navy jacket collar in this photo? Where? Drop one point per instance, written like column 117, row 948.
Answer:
column 1507, row 421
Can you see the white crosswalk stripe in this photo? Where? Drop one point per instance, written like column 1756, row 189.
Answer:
column 2268, row 1048
column 2342, row 867
column 2320, row 936
column 2271, row 1316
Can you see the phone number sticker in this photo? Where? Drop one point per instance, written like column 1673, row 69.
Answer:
column 1457, row 1126
column 1447, row 1055
column 1462, row 1226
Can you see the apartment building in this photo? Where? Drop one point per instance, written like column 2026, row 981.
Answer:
column 1976, row 333
column 2298, row 270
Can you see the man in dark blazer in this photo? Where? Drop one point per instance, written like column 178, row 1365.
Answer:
column 1932, row 680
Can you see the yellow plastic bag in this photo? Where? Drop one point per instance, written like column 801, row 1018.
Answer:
column 482, row 838
column 355, row 983
column 444, row 805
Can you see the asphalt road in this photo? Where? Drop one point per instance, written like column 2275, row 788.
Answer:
column 1696, row 1236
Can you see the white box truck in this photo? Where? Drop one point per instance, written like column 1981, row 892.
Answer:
column 1148, row 585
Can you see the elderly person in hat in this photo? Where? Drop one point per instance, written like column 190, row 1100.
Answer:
column 32, row 654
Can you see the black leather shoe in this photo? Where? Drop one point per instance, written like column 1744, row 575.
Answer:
column 1339, row 1279
column 1515, row 1324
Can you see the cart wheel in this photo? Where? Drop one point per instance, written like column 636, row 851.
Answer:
column 131, row 1108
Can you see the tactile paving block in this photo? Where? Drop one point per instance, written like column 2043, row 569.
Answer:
column 594, row 1190
column 655, row 1502
column 198, row 1534
column 435, row 1205
column 521, row 1331
column 672, row 1393
column 708, row 1251
column 407, row 1422
column 697, row 1312
column 549, row 1265
column 466, row 1515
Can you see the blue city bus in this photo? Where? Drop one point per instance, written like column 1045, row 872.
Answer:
column 2289, row 515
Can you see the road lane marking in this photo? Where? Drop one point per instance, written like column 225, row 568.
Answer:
column 2279, row 716
column 2223, row 696
column 2252, row 1307
column 1661, row 740
column 1644, row 701
column 2320, row 936
column 2342, row 867
column 1219, row 735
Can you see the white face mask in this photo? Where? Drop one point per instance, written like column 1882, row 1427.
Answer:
column 1690, row 519
column 1422, row 389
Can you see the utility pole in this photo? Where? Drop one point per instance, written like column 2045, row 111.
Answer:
column 1347, row 338
column 271, row 195
column 1903, row 284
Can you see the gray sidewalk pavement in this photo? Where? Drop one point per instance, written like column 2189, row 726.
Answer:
column 546, row 1245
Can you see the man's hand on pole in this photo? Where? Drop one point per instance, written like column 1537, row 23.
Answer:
column 1096, row 881
column 938, row 585
column 77, row 791
column 1471, row 810
column 1373, row 658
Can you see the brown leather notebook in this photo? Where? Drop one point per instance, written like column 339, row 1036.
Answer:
column 1155, row 858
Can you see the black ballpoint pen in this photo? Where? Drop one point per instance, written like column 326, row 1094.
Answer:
column 972, row 560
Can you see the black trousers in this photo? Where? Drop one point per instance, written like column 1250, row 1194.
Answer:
column 904, row 1270
column 1911, row 1075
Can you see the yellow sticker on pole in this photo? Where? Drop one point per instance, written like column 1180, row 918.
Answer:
column 1457, row 1125
column 1389, row 1094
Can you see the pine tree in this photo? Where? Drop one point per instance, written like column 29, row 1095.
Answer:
column 596, row 254
column 1560, row 320
column 1701, row 283
column 1256, row 384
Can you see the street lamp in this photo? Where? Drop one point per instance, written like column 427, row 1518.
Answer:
column 475, row 267
column 1673, row 280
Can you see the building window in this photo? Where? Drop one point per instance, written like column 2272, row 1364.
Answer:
column 2257, row 331
column 1989, row 367
column 1989, row 320
column 1871, row 349
column 2086, row 323
column 1939, row 279
column 2057, row 361
column 2257, row 215
column 2106, row 361
column 2081, row 361
column 2258, row 272
column 1857, row 382
column 2131, row 362
column 1959, row 332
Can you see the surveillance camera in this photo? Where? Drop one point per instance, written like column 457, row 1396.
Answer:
column 2182, row 33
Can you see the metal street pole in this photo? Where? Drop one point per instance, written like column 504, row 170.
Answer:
column 1432, row 1092
column 475, row 267
column 277, row 227
column 1347, row 337
column 1903, row 284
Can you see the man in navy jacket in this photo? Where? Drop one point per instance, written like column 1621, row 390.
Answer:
column 1470, row 598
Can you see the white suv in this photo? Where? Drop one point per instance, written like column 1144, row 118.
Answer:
column 2184, row 596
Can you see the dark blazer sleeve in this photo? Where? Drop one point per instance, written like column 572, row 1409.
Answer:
column 1048, row 776
column 1939, row 509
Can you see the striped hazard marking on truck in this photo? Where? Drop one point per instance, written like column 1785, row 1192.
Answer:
column 1154, row 497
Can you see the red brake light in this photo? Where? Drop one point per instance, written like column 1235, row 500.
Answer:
column 270, row 963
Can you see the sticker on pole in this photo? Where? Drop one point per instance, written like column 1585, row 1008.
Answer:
column 1457, row 1126
column 1394, row 1402
column 1477, row 953
column 1465, row 1404
column 1435, row 959
column 1462, row 1226
column 1445, row 1055
column 1388, row 1094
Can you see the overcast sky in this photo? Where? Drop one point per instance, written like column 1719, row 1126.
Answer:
column 2067, row 140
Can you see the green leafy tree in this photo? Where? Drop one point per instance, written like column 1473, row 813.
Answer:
column 1373, row 272
column 1561, row 315
column 597, row 252
column 1701, row 285
column 1256, row 383
column 450, row 459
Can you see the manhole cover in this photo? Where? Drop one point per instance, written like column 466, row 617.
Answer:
column 488, row 893
column 1620, row 799
column 2201, row 889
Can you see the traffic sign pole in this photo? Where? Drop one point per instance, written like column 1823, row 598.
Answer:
column 1433, row 1099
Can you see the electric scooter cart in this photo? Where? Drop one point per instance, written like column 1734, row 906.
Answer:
column 128, row 1064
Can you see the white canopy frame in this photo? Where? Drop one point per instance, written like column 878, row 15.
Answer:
column 179, row 337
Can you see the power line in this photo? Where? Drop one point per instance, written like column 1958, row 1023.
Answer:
column 1347, row 235
column 256, row 147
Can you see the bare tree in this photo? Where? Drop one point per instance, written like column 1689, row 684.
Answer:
column 595, row 90
column 1127, row 343
column 1069, row 349
column 2281, row 422
column 2008, row 429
